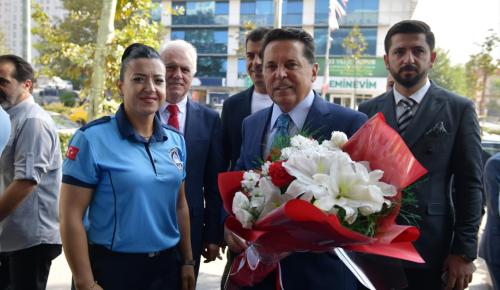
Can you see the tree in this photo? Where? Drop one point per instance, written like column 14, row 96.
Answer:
column 479, row 68
column 104, row 38
column 446, row 75
column 3, row 48
column 67, row 48
column 355, row 45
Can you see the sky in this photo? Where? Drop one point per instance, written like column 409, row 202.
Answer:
column 460, row 25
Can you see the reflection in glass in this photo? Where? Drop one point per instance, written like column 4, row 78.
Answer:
column 338, row 36
column 202, row 12
column 212, row 66
column 206, row 40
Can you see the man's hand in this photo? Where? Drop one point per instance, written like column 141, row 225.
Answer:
column 459, row 272
column 187, row 277
column 211, row 252
column 234, row 243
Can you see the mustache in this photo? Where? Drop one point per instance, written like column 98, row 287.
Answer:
column 408, row 67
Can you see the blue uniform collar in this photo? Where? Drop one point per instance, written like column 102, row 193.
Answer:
column 128, row 132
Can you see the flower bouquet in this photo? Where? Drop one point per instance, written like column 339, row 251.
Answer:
column 321, row 196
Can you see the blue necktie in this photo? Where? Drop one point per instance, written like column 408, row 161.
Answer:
column 281, row 138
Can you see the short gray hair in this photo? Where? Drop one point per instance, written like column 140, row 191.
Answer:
column 186, row 47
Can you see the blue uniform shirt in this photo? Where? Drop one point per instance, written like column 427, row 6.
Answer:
column 136, row 183
column 4, row 129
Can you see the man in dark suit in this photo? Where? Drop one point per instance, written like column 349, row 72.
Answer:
column 202, row 132
column 442, row 131
column 489, row 249
column 289, row 72
column 239, row 106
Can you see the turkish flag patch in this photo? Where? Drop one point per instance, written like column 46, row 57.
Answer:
column 72, row 152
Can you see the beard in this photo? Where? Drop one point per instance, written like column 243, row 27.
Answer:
column 5, row 101
column 408, row 82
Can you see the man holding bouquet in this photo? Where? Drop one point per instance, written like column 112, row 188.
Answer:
column 442, row 131
column 289, row 70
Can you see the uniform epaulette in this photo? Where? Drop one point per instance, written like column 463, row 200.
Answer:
column 102, row 120
column 168, row 127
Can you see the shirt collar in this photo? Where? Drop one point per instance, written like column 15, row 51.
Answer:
column 416, row 96
column 297, row 114
column 181, row 105
column 18, row 107
column 128, row 132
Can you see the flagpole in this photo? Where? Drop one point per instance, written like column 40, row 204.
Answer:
column 278, row 10
column 326, row 66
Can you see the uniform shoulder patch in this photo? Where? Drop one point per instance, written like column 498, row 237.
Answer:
column 102, row 120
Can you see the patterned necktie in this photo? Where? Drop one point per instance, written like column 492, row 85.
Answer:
column 173, row 119
column 281, row 138
column 407, row 114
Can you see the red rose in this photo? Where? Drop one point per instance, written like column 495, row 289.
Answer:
column 278, row 174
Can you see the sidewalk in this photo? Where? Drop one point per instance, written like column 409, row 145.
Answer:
column 209, row 278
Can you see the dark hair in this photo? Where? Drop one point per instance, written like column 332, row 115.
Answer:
column 410, row 26
column 24, row 70
column 291, row 34
column 135, row 51
column 257, row 34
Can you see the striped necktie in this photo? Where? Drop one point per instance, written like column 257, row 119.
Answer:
column 405, row 118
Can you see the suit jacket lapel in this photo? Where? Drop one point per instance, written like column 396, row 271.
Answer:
column 313, row 123
column 388, row 108
column 192, row 114
column 426, row 114
column 247, row 108
column 257, row 136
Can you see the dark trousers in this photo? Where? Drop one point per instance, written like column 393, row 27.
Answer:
column 119, row 271
column 27, row 269
column 419, row 279
column 230, row 257
column 494, row 270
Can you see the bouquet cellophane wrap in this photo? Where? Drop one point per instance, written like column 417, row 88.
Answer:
column 298, row 225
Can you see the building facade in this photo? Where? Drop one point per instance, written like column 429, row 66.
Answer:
column 15, row 23
column 217, row 30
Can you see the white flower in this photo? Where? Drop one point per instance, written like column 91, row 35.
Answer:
column 302, row 142
column 334, row 180
column 241, row 209
column 250, row 179
column 336, row 142
column 265, row 168
column 273, row 196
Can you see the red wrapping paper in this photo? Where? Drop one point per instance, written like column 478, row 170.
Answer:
column 300, row 226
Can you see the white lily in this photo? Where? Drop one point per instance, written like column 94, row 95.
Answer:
column 241, row 209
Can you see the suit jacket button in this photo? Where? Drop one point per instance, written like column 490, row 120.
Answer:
column 429, row 150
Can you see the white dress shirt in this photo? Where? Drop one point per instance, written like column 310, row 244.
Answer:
column 298, row 116
column 260, row 101
column 164, row 114
column 416, row 96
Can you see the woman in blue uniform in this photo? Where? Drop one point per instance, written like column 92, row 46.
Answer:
column 124, row 175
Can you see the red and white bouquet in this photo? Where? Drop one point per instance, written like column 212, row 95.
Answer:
column 320, row 196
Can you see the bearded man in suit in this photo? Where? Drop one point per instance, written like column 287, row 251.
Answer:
column 442, row 131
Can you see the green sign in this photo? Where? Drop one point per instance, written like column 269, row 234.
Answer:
column 347, row 67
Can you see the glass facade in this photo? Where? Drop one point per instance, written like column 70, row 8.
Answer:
column 202, row 12
column 206, row 40
column 259, row 12
column 292, row 13
column 212, row 66
column 358, row 12
column 338, row 36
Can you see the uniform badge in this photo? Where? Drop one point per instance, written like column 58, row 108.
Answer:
column 72, row 152
column 174, row 155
